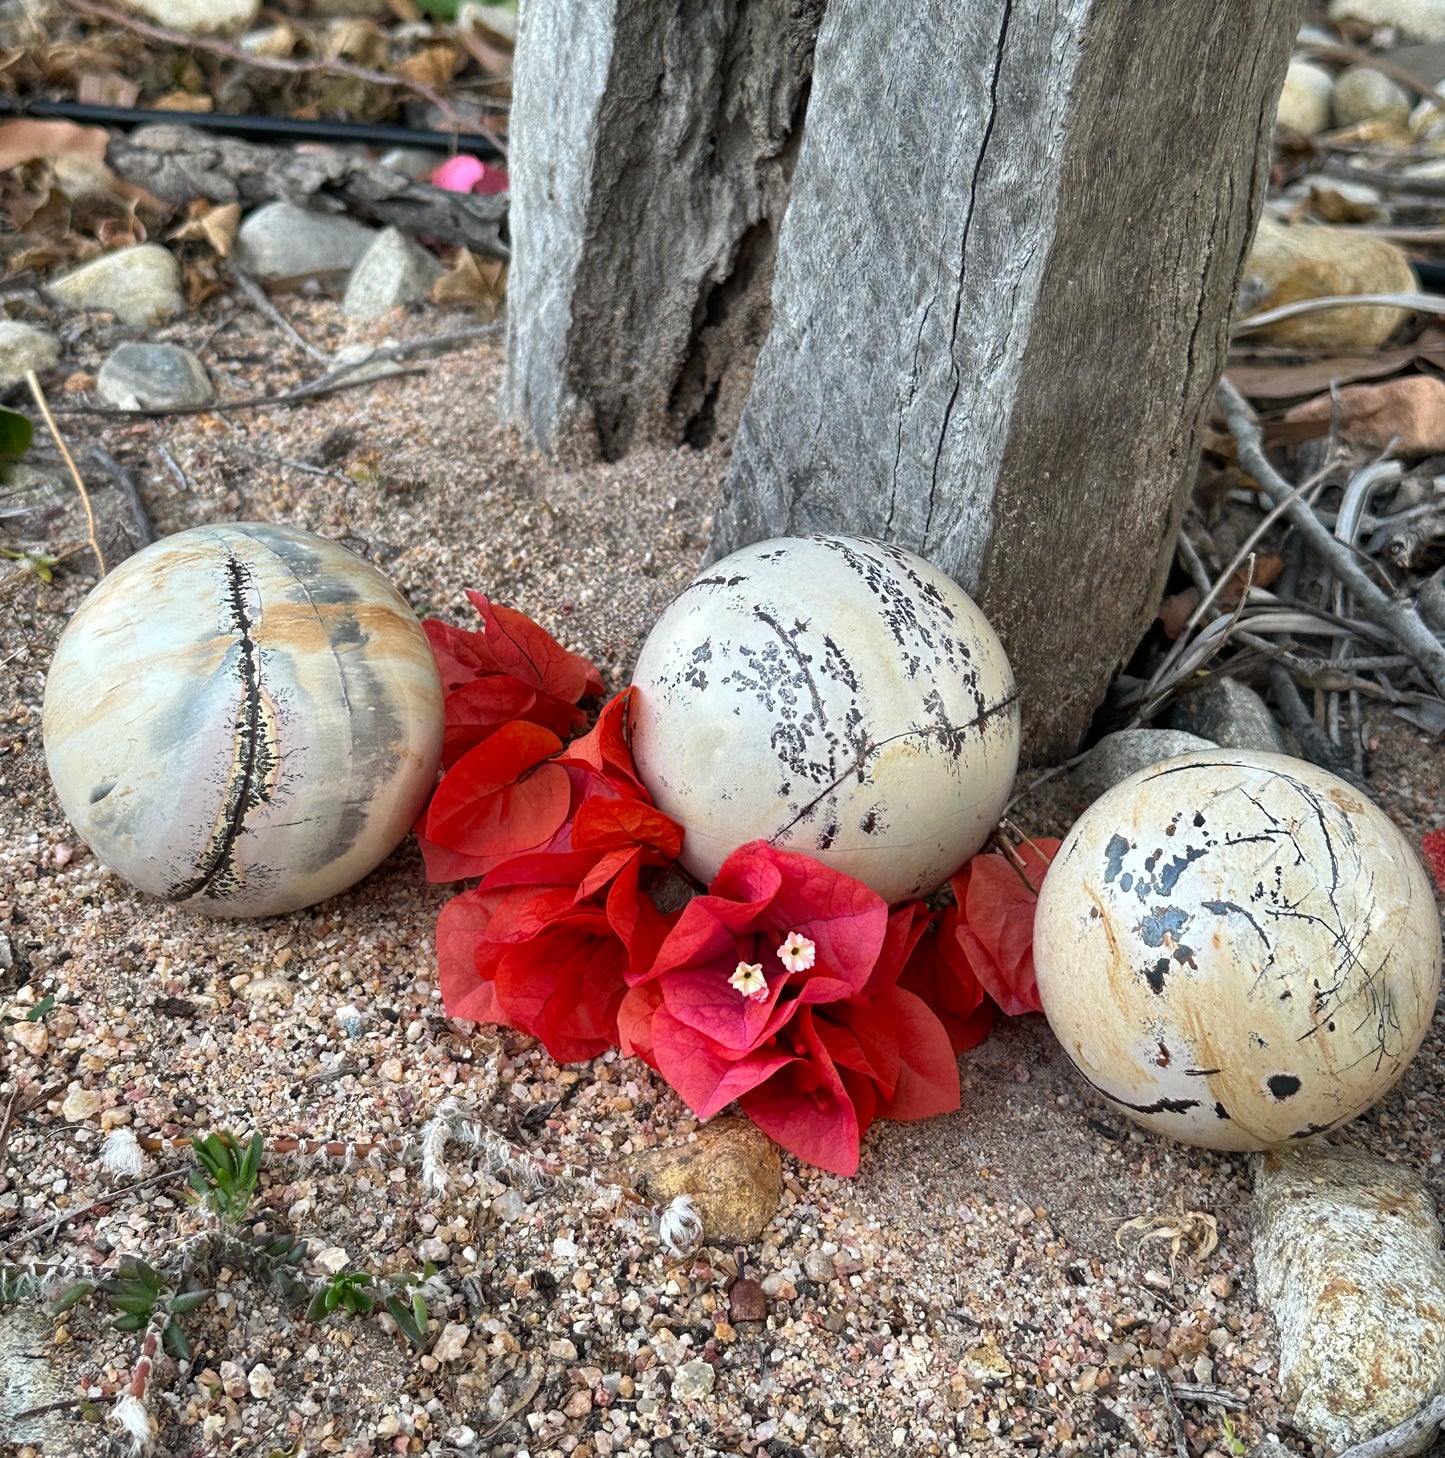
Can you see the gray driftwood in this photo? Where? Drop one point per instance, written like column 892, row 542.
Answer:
column 178, row 164
column 652, row 145
column 1001, row 302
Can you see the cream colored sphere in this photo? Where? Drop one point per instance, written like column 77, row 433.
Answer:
column 243, row 719
column 1238, row 950
column 834, row 696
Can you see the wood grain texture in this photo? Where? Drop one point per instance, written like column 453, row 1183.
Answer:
column 1001, row 302
column 652, row 151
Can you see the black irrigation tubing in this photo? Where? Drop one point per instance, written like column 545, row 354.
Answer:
column 264, row 128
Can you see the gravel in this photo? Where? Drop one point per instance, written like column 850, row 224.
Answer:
column 964, row 1294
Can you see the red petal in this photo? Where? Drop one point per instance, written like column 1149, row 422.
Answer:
column 928, row 1070
column 805, row 1107
column 466, row 964
column 939, row 973
column 1432, row 843
column 705, row 1079
column 604, row 751
column 529, row 652
column 500, row 798
column 997, row 932
column 564, row 987
column 605, row 822
column 461, row 655
column 479, row 708
column 634, row 1022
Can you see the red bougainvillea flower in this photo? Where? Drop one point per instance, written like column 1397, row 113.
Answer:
column 512, row 670
column 1432, row 844
column 545, row 943
column 778, row 988
column 995, row 926
column 505, row 796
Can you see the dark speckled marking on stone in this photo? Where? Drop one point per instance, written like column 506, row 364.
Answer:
column 1162, row 922
column 1157, row 973
column 1159, row 1106
column 101, row 791
column 1283, row 1085
column 1114, row 854
column 247, row 785
column 1220, row 1112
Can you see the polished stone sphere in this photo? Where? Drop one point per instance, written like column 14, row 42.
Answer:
column 1237, row 949
column 834, row 696
column 243, row 719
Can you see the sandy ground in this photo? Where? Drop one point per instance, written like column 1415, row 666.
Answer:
column 964, row 1294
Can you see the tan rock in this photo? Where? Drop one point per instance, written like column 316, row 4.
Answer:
column 1413, row 20
column 1363, row 94
column 1405, row 415
column 1348, row 1262
column 1304, row 103
column 80, row 1103
column 731, row 1169
column 31, row 1036
column 1309, row 262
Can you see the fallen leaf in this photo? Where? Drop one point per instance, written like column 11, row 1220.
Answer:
column 214, row 225
column 432, row 65
column 1293, row 381
column 1406, row 415
column 28, row 140
column 472, row 280
column 1176, row 610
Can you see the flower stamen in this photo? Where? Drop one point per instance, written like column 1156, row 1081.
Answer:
column 749, row 980
column 797, row 953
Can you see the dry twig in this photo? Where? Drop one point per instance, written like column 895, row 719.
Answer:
column 1176, row 1418
column 1401, row 1437
column 258, row 300
column 144, row 528
column 43, row 406
column 1395, row 614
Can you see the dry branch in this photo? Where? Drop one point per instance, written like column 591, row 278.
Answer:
column 178, row 164
column 1395, row 614
column 1401, row 1439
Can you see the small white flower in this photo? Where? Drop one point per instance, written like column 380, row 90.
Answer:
column 749, row 980
column 797, row 954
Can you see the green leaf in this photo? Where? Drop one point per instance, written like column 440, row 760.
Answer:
column 71, row 1296
column 187, row 1301
column 320, row 1304
column 40, row 1009
column 441, row 9
column 16, row 433
column 138, row 1303
column 132, row 1321
column 174, row 1340
column 406, row 1321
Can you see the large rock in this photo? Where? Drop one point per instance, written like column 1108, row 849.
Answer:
column 1230, row 714
column 154, row 377
column 281, row 243
column 392, row 271
column 1308, row 262
column 24, row 347
column 731, row 1169
column 1414, row 20
column 1347, row 1260
column 1117, row 756
column 200, row 17
column 1405, row 416
column 1304, row 103
column 140, row 285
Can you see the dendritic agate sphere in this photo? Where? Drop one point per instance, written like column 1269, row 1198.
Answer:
column 1239, row 950
column 243, row 719
column 834, row 696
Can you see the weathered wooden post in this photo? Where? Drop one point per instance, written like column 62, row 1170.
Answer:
column 652, row 148
column 1000, row 301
